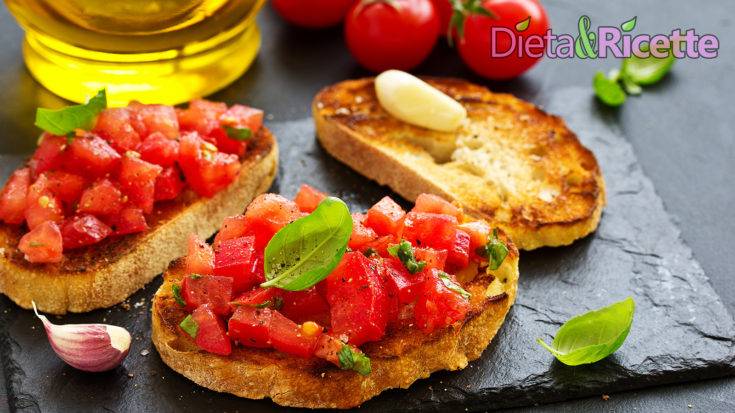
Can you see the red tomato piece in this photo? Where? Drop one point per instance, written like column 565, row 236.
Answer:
column 380, row 245
column 149, row 119
column 267, row 214
column 437, row 205
column 386, row 217
column 114, row 125
column 236, row 258
column 258, row 296
column 238, row 117
column 207, row 170
column 433, row 258
column 426, row 229
column 201, row 116
column 328, row 348
column 130, row 221
column 288, row 337
column 361, row 235
column 314, row 13
column 308, row 198
column 437, row 306
column 43, row 244
column 82, row 231
column 49, row 154
column 357, row 298
column 444, row 11
column 159, row 149
column 168, row 184
column 459, row 253
column 306, row 305
column 102, row 198
column 66, row 187
column 41, row 204
column 405, row 285
column 232, row 227
column 207, row 289
column 13, row 197
column 199, row 257
column 250, row 326
column 92, row 157
column 478, row 232
column 211, row 334
column 138, row 181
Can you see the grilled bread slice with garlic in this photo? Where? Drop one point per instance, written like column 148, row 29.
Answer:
column 508, row 161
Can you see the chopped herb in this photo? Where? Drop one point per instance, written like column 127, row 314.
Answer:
column 370, row 251
column 239, row 134
column 195, row 276
column 404, row 252
column 36, row 244
column 176, row 289
column 494, row 251
column 190, row 326
column 352, row 359
column 276, row 303
column 63, row 122
column 449, row 283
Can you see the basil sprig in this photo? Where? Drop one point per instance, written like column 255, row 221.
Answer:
column 404, row 252
column 350, row 359
column 495, row 251
column 190, row 326
column 592, row 336
column 453, row 286
column 305, row 251
column 63, row 122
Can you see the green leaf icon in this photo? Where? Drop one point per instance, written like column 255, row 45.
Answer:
column 523, row 24
column 629, row 25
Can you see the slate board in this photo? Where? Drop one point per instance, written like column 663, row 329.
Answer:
column 681, row 330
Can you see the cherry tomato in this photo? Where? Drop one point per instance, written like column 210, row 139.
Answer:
column 444, row 10
column 391, row 35
column 312, row 13
column 475, row 48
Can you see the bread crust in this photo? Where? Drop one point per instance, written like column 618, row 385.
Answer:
column 353, row 127
column 398, row 360
column 109, row 272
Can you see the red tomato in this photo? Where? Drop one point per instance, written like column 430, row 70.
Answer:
column 313, row 13
column 236, row 258
column 168, row 184
column 130, row 221
column 444, row 10
column 102, row 198
column 65, row 186
column 380, row 245
column 358, row 300
column 250, row 326
column 138, row 181
column 201, row 116
column 82, row 231
column 437, row 205
column 41, row 204
column 475, row 47
column 406, row 286
column 199, row 257
column 328, row 348
column 148, row 119
column 13, row 197
column 238, row 117
column 306, row 305
column 391, row 35
column 48, row 155
column 267, row 214
column 427, row 229
column 92, row 157
column 437, row 306
column 232, row 227
column 385, row 217
column 211, row 334
column 459, row 253
column 159, row 149
column 43, row 244
column 288, row 337
column 308, row 198
column 207, row 170
column 114, row 125
column 361, row 235
column 433, row 258
column 478, row 231
column 258, row 296
column 207, row 289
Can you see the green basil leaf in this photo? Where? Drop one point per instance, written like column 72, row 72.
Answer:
column 592, row 336
column 64, row 121
column 404, row 252
column 608, row 90
column 190, row 326
column 176, row 289
column 305, row 251
column 630, row 87
column 495, row 251
column 453, row 286
column 649, row 70
column 239, row 134
column 350, row 359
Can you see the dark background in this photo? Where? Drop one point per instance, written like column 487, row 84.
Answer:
column 681, row 130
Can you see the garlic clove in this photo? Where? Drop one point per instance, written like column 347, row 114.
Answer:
column 88, row 347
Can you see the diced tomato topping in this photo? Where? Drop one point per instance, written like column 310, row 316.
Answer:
column 92, row 157
column 459, row 253
column 237, row 117
column 206, row 169
column 308, row 198
column 130, row 221
column 250, row 326
column 361, row 234
column 288, row 337
column 267, row 214
column 199, row 257
column 380, row 245
column 159, row 150
column 13, row 197
column 82, row 231
column 168, row 184
column 357, row 298
column 211, row 334
column 437, row 306
column 426, row 229
column 149, row 119
column 433, row 258
column 437, row 205
column 207, row 289
column 306, row 305
column 478, row 232
column 259, row 296
column 138, row 181
column 114, row 125
column 41, row 204
column 201, row 116
column 43, row 244
column 385, row 217
column 49, row 154
column 65, row 186
column 232, row 227
column 407, row 286
column 102, row 198
column 236, row 258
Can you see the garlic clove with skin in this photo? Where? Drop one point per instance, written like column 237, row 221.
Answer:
column 87, row 347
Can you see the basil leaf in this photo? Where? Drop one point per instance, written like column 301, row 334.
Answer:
column 453, row 286
column 648, row 70
column 608, row 90
column 176, row 289
column 592, row 336
column 350, row 359
column 404, row 252
column 64, row 121
column 238, row 134
column 190, row 326
column 495, row 251
column 305, row 251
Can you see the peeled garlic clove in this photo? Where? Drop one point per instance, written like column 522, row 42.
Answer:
column 414, row 101
column 88, row 347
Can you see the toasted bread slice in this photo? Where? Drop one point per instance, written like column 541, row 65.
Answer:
column 509, row 163
column 397, row 360
column 107, row 273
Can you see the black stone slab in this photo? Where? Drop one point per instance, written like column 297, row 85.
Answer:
column 681, row 331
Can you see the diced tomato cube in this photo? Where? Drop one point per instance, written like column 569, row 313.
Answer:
column 361, row 234
column 207, row 289
column 66, row 187
column 43, row 244
column 306, row 305
column 328, row 348
column 114, row 125
column 478, row 232
column 201, row 116
column 207, row 170
column 159, row 150
column 138, row 181
column 168, row 184
column 241, row 116
column 437, row 205
column 407, row 286
column 236, row 258
column 250, row 326
column 357, row 298
column 308, row 198
column 426, row 229
column 259, row 296
column 102, row 198
column 13, row 197
column 148, row 119
column 433, row 258
column 82, row 231
column 437, row 306
column 92, row 157
column 41, row 204
column 288, row 337
column 459, row 253
column 49, row 154
column 199, row 257
column 130, row 221
column 386, row 217
column 232, row 227
column 380, row 245
column 266, row 215
column 211, row 334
